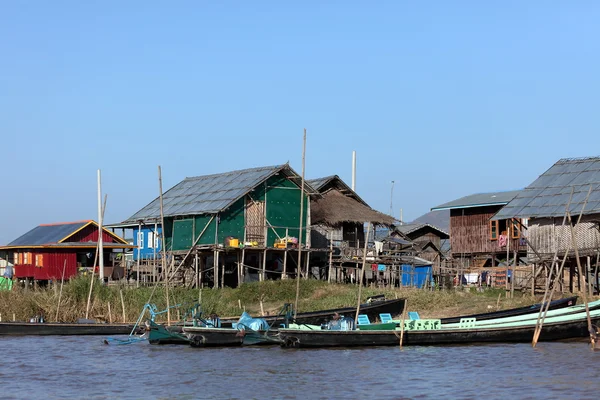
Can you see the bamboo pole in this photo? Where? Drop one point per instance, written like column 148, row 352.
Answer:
column 87, row 308
column 299, row 268
column 139, row 252
column 330, row 256
column 362, row 272
column 223, row 275
column 402, row 323
column 109, row 314
column 542, row 313
column 122, row 304
column 163, row 246
column 572, row 243
column 264, row 266
column 585, row 291
column 62, row 281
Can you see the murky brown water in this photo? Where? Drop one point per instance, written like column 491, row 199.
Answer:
column 83, row 367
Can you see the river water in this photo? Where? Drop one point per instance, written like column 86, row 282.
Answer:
column 84, row 367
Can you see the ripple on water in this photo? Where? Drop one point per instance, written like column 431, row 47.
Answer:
column 82, row 367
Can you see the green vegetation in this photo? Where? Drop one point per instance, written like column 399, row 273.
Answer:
column 314, row 295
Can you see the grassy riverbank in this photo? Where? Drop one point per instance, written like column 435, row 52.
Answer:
column 314, row 295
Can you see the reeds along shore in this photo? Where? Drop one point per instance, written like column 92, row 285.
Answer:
column 106, row 303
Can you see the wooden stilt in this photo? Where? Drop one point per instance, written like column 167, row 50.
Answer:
column 264, row 266
column 307, row 265
column 243, row 266
column 330, row 257
column 285, row 255
column 222, row 266
column 216, row 269
column 196, row 268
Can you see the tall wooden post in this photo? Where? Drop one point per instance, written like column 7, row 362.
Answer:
column 162, row 244
column 300, row 230
column 330, row 257
column 196, row 267
column 362, row 272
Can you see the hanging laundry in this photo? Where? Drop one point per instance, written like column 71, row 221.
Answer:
column 373, row 267
column 378, row 247
column 381, row 267
column 472, row 277
column 502, row 239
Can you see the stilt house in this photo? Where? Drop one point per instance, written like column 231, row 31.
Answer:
column 573, row 185
column 240, row 221
column 47, row 251
column 475, row 239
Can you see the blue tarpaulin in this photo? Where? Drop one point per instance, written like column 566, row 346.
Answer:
column 417, row 275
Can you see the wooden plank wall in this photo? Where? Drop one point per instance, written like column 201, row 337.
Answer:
column 469, row 232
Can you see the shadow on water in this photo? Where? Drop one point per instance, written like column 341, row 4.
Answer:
column 78, row 367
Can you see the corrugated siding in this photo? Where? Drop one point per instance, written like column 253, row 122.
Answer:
column 183, row 231
column 283, row 209
column 547, row 235
column 231, row 222
column 51, row 268
column 90, row 234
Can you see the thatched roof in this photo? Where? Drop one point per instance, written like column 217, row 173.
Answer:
column 334, row 208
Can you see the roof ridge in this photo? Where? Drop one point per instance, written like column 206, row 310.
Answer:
column 83, row 221
column 577, row 159
column 270, row 167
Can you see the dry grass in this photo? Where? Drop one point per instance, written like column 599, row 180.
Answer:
column 314, row 295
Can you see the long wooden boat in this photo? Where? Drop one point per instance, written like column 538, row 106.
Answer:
column 554, row 305
column 227, row 337
column 592, row 306
column 556, row 328
column 63, row 329
column 372, row 309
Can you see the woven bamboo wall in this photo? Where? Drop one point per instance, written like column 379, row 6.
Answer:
column 548, row 234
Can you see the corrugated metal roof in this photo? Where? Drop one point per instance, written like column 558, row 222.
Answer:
column 439, row 219
column 479, row 200
column 209, row 194
column 549, row 194
column 318, row 183
column 409, row 228
column 47, row 234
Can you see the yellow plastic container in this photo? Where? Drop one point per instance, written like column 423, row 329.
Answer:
column 234, row 243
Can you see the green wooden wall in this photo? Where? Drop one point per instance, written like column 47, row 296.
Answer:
column 282, row 210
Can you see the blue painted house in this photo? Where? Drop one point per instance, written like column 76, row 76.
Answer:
column 147, row 242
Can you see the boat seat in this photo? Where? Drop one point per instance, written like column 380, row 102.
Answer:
column 413, row 315
column 467, row 323
column 363, row 319
column 385, row 318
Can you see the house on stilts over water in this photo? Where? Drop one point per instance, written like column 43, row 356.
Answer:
column 571, row 185
column 226, row 229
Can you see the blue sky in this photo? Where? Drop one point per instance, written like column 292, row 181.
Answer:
column 444, row 98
